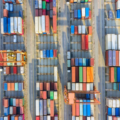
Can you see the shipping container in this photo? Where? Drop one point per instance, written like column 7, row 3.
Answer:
column 77, row 108
column 36, row 24
column 83, row 12
column 73, row 109
column 79, row 29
column 43, row 23
column 110, row 14
column 11, row 25
column 55, row 74
column 79, row 14
column 37, row 108
column 75, row 14
column 52, row 108
column 86, row 12
column 86, row 42
column 108, row 39
column 76, row 30
column 117, row 5
column 54, row 24
column 90, row 30
column 83, row 42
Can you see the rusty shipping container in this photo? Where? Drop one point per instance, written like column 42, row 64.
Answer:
column 83, row 42
column 76, row 30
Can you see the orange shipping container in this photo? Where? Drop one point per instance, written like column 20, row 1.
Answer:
column 20, row 102
column 41, row 94
column 77, row 108
column 48, row 86
column 73, row 74
column 71, row 1
column 90, row 30
column 8, row 86
column 54, row 24
column 16, row 117
column 111, row 74
column 54, row 11
column 12, row 85
column 44, row 95
column 90, row 14
column 47, row 24
column 6, row 102
column 7, row 70
column 73, row 109
column 84, row 74
column 52, row 108
column 41, row 86
column 5, row 13
column 117, row 58
column 83, row 42
column 89, row 74
column 17, row 102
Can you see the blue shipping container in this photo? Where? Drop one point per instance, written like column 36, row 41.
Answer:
column 110, row 58
column 41, row 107
column 7, row 6
column 118, row 74
column 14, row 1
column 119, row 86
column 44, row 53
column 54, row 3
column 5, row 86
column 86, row 12
column 76, row 61
column 13, row 117
column 110, row 14
column 109, row 111
column 87, row 96
column 9, row 26
column 84, row 61
column 36, row 3
column 88, row 109
column 11, row 7
column 45, row 117
column 48, row 53
column 119, row 111
column 72, row 29
column 79, row 14
column 75, row 14
column 116, row 112
column 118, row 14
column 114, row 57
column 87, row 62
column 5, row 22
column 80, row 62
column 84, row 109
column 1, row 118
column 21, row 13
column 6, row 111
column 20, row 86
column 51, row 53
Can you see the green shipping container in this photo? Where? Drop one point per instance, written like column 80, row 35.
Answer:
column 16, row 86
column 47, row 6
column 51, row 95
column 80, row 74
column 43, row 4
column 115, row 74
column 82, row 0
column 86, row 0
column 68, row 63
column 11, row 101
column 23, row 102
column 115, row 86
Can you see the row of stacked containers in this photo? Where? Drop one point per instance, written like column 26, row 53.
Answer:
column 12, row 24
column 112, row 62
column 46, row 90
column 81, row 69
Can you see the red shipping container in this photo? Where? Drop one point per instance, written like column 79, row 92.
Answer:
column 117, row 58
column 111, row 74
column 72, row 62
column 106, row 58
column 51, row 5
column 114, row 118
column 73, row 74
column 54, row 11
column 44, row 86
column 5, row 13
column 51, row 0
column 51, row 86
column 37, row 118
column 84, row 118
column 91, row 61
column 73, row 109
column 48, row 13
column 84, row 74
column 84, row 86
column 55, row 86
column 41, row 94
column 17, row 102
column 21, row 110
column 76, row 30
column 54, row 24
column 20, row 102
column 48, row 86
column 55, row 53
column 90, row 30
column 43, row 12
column 77, row 73
column 40, row 12
column 47, row 24
column 41, row 86
column 44, row 95
column 6, row 102
column 52, row 108
column 14, row 110
column 36, row 12
column 3, row 2
column 86, row 42
column 77, row 106
column 83, row 42
column 7, row 70
column 14, row 70
column 52, row 118
column 1, row 58
column 90, row 14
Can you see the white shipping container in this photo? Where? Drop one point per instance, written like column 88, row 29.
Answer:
column 108, row 39
column 75, row 0
column 68, row 55
column 40, row 4
column 114, row 37
column 11, row 110
column 114, row 103
column 118, row 118
column 83, row 12
column 19, row 25
column 109, row 117
column 77, row 86
column 77, row 118
column 73, row 117
column 83, row 29
column 109, row 102
column 15, row 24
column 79, row 29
column 69, row 85
column 40, row 24
column 92, row 108
column 2, row 31
column 81, row 86
column 11, row 25
column 119, row 58
column 118, row 42
column 55, row 95
column 80, row 117
column 36, row 24
column 41, row 54
column 113, row 111
column 37, row 107
column 4, row 70
column 118, row 4
column 73, row 86
column 91, row 86
column 43, row 23
column 55, row 74
column 15, row 38
column 22, row 70
column 88, row 86
column 14, row 102
column 48, row 117
column 5, row 118
column 92, row 118
column 56, row 118
column 88, row 118
column 37, row 86
column 117, row 103
column 78, row 1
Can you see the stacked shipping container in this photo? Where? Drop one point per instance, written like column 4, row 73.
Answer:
column 45, row 16
column 80, row 1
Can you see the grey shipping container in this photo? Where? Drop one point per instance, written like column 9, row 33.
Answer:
column 114, row 57
column 41, row 117
column 45, row 107
column 110, row 57
column 91, row 96
column 51, row 13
